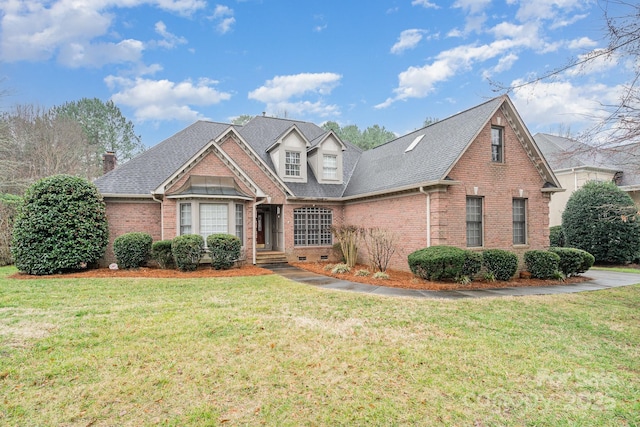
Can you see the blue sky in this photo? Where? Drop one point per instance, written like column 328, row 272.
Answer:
column 168, row 63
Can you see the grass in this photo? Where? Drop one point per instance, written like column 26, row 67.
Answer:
column 267, row 351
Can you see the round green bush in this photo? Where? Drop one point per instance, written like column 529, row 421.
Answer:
column 571, row 260
column 542, row 264
column 187, row 251
column 60, row 226
column 602, row 219
column 161, row 253
column 132, row 249
column 444, row 262
column 224, row 250
column 556, row 236
column 502, row 264
column 587, row 261
column 9, row 204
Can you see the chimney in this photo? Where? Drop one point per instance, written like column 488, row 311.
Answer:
column 109, row 161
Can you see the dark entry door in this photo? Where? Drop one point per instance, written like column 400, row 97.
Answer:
column 260, row 228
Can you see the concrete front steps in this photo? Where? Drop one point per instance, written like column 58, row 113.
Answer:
column 270, row 258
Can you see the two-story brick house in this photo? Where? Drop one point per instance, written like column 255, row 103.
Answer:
column 473, row 180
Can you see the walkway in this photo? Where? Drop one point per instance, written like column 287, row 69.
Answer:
column 601, row 280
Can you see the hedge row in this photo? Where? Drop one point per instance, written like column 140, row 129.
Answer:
column 447, row 262
column 185, row 252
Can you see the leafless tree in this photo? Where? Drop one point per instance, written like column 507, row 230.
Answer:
column 35, row 143
column 621, row 122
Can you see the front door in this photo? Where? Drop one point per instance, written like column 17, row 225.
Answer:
column 260, row 229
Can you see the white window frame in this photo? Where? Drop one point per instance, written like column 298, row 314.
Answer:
column 195, row 225
column 475, row 222
column 293, row 163
column 519, row 216
column 330, row 169
column 497, row 144
column 312, row 226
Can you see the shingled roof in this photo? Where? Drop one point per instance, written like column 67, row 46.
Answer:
column 567, row 153
column 391, row 166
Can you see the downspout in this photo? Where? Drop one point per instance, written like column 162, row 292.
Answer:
column 255, row 218
column 428, row 215
column 153, row 196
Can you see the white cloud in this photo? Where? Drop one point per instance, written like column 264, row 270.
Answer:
column 163, row 99
column 38, row 31
column 418, row 82
column 582, row 43
column 561, row 102
column 223, row 15
column 408, row 39
column 472, row 6
column 169, row 40
column 425, row 3
column 554, row 10
column 278, row 92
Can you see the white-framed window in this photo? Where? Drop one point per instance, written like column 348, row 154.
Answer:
column 240, row 223
column 206, row 217
column 519, row 221
column 497, row 144
column 214, row 219
column 186, row 219
column 312, row 226
column 329, row 166
column 474, row 222
column 292, row 163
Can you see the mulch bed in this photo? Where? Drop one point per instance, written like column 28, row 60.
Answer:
column 397, row 279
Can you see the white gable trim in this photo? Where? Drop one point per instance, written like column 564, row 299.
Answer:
column 285, row 134
column 210, row 147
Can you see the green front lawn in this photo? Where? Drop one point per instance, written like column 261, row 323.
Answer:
column 267, row 351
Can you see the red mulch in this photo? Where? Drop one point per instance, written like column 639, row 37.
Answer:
column 403, row 279
column 398, row 279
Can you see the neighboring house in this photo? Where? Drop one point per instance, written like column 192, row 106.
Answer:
column 575, row 164
column 474, row 180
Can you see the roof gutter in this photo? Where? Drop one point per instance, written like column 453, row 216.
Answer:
column 128, row 196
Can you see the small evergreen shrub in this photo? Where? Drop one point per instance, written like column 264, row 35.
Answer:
column 570, row 260
column 187, row 251
column 502, row 264
column 132, row 249
column 362, row 273
column 587, row 261
column 542, row 264
column 444, row 262
column 472, row 264
column 161, row 253
column 381, row 275
column 556, row 236
column 340, row 268
column 224, row 250
column 60, row 226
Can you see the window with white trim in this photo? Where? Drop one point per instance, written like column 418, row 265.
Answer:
column 329, row 166
column 185, row 218
column 240, row 223
column 519, row 221
column 312, row 226
column 497, row 144
column 474, row 222
column 292, row 163
column 213, row 219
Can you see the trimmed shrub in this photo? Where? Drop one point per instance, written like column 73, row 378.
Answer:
column 380, row 275
column 61, row 226
column 571, row 260
column 362, row 273
column 602, row 219
column 500, row 263
column 542, row 264
column 9, row 204
column 161, row 253
column 132, row 249
column 587, row 261
column 556, row 236
column 187, row 251
column 444, row 262
column 224, row 250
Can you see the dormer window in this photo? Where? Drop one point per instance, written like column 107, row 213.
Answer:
column 329, row 166
column 292, row 163
column 497, row 144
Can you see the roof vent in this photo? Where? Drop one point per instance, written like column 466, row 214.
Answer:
column 414, row 143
